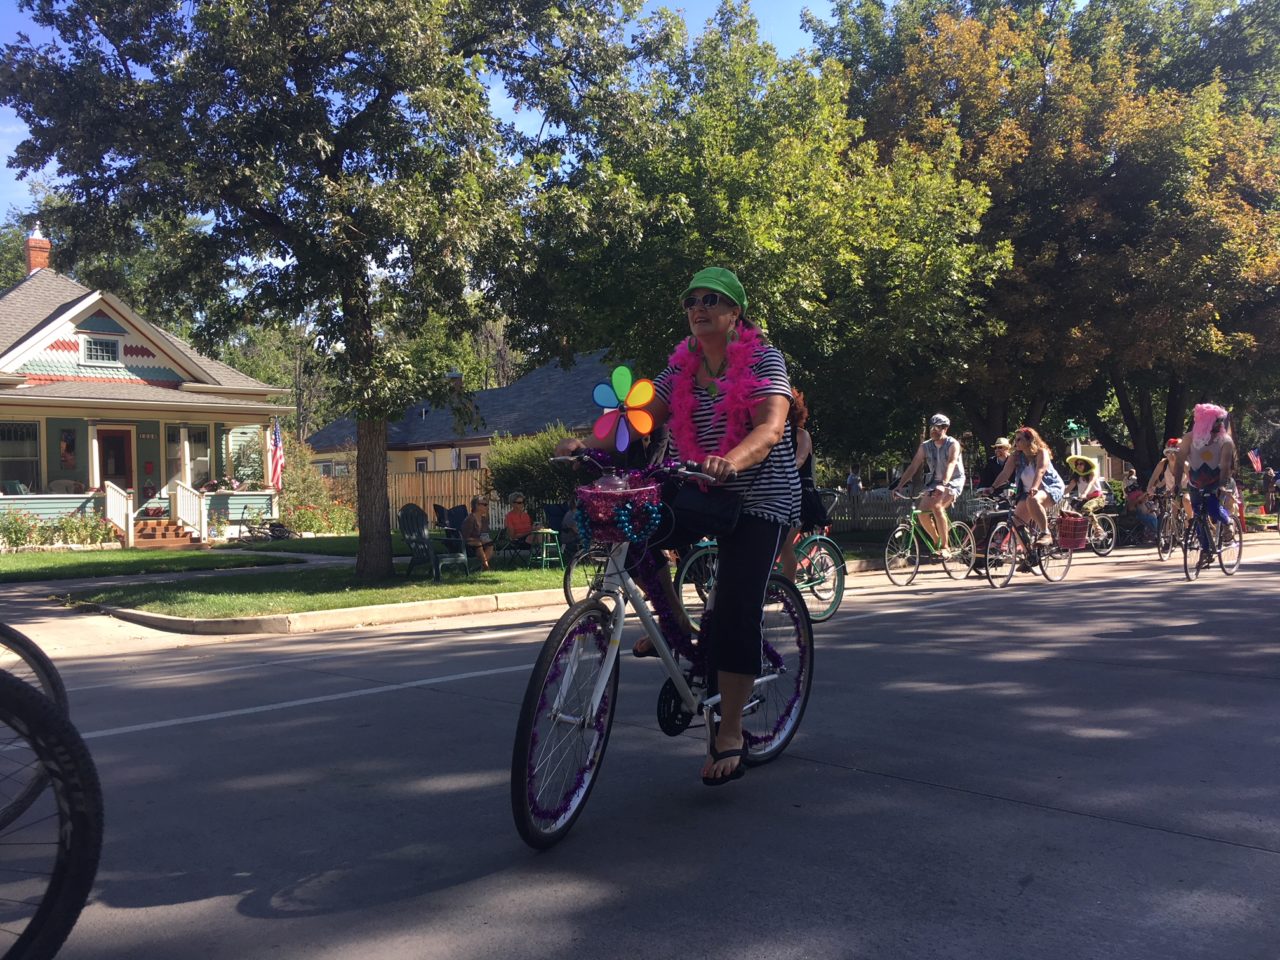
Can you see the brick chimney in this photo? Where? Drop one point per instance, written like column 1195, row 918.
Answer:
column 37, row 251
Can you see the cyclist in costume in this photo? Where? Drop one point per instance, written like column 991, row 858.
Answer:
column 1208, row 454
column 725, row 396
column 944, row 480
column 1039, row 485
column 1085, row 485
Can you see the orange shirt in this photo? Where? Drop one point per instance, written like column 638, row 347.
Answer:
column 519, row 524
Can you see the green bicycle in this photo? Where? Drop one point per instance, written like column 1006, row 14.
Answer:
column 909, row 539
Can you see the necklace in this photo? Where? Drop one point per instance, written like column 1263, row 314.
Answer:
column 713, row 387
column 731, row 417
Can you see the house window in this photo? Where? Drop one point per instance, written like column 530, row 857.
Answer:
column 341, row 469
column 172, row 454
column 421, row 465
column 19, row 457
column 102, row 350
column 473, row 461
column 325, row 467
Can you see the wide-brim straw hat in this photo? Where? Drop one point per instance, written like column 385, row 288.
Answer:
column 1076, row 458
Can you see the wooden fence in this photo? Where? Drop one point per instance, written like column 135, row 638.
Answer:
column 445, row 487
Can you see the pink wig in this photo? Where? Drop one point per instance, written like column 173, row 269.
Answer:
column 1206, row 415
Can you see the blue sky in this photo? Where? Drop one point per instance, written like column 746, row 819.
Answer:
column 779, row 24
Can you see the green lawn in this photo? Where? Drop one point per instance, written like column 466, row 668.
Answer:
column 338, row 546
column 310, row 589
column 17, row 567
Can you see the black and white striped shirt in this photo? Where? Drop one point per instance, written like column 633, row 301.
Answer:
column 771, row 489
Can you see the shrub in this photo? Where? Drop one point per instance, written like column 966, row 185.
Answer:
column 522, row 463
column 26, row 529
column 320, row 518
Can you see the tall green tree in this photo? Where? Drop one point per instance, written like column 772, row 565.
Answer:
column 345, row 155
column 736, row 156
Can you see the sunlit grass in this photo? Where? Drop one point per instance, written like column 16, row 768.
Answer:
column 297, row 591
column 17, row 567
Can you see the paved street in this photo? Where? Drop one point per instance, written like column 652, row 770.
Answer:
column 1082, row 770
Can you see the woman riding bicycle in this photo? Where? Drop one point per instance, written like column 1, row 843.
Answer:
column 1085, row 486
column 725, row 397
column 1208, row 454
column 1038, row 483
column 1165, row 479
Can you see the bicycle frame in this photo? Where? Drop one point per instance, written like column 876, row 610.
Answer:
column 619, row 585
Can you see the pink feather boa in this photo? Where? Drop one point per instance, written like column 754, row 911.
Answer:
column 734, row 404
column 1206, row 415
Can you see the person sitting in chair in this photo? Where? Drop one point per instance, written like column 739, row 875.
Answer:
column 475, row 531
column 519, row 524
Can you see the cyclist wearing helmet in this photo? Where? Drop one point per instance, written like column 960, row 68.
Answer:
column 944, row 480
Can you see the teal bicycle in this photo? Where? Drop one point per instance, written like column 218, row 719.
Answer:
column 909, row 539
column 820, row 569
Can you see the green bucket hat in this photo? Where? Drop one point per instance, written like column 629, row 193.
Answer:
column 721, row 281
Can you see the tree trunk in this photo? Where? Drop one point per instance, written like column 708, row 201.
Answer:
column 373, row 558
column 989, row 418
column 1035, row 411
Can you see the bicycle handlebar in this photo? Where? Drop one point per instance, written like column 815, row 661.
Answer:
column 686, row 470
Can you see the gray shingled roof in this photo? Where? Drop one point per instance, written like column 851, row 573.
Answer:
column 538, row 399
column 32, row 300
column 26, row 305
column 108, row 390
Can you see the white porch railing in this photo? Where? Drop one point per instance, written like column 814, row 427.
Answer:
column 120, row 510
column 188, row 509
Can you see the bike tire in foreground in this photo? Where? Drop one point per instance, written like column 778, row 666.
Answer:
column 49, row 849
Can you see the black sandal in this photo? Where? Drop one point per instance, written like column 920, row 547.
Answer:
column 737, row 773
column 641, row 654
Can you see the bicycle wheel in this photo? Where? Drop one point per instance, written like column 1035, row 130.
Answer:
column 26, row 661
column 49, row 851
column 1191, row 550
column 1230, row 546
column 776, row 707
column 963, row 551
column 695, row 580
column 1102, row 534
column 1166, row 538
column 820, row 577
column 559, row 748
column 901, row 556
column 1054, row 561
column 584, row 574
column 1003, row 552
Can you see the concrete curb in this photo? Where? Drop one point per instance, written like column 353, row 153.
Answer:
column 340, row 619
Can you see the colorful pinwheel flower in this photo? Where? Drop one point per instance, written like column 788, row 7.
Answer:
column 622, row 401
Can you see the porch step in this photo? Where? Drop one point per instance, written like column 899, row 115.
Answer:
column 164, row 535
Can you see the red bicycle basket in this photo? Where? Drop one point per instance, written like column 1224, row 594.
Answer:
column 1073, row 531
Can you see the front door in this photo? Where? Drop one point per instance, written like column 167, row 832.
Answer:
column 115, row 457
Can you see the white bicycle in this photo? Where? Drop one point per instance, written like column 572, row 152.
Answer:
column 569, row 703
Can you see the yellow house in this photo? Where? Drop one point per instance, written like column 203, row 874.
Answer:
column 427, row 439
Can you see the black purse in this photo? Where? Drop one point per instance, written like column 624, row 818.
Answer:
column 712, row 512
column 813, row 513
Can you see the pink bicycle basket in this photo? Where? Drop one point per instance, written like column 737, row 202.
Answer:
column 602, row 509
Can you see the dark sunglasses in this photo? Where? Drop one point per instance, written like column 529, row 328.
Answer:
column 517, row 501
column 707, row 300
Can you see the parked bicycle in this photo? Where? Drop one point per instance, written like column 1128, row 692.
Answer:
column 902, row 551
column 569, row 703
column 1223, row 541
column 50, row 819
column 1012, row 546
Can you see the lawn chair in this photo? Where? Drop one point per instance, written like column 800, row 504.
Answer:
column 413, row 528
column 442, row 516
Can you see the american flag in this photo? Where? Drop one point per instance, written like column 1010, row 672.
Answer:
column 276, row 456
column 1255, row 460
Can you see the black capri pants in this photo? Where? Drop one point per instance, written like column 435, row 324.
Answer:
column 733, row 629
